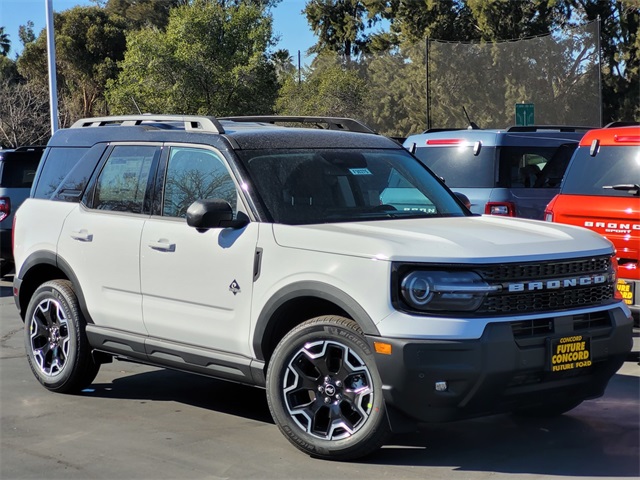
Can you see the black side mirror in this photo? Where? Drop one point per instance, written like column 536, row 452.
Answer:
column 213, row 213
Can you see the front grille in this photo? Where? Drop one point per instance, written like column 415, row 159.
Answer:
column 537, row 300
column 546, row 301
column 543, row 327
column 541, row 270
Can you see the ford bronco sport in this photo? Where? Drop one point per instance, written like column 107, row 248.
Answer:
column 328, row 266
column 513, row 172
column 601, row 192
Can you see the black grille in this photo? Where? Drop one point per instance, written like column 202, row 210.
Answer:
column 558, row 299
column 546, row 301
column 542, row 270
column 543, row 327
column 532, row 328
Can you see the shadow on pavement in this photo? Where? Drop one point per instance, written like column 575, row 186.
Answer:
column 575, row 444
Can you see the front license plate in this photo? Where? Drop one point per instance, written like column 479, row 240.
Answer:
column 569, row 353
column 626, row 290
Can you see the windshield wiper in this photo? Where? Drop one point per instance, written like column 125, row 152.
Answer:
column 632, row 188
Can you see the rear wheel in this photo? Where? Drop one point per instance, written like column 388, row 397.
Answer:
column 57, row 347
column 324, row 391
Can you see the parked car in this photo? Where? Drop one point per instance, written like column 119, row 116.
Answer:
column 601, row 192
column 513, row 172
column 328, row 266
column 17, row 171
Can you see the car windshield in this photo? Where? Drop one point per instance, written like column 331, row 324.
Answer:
column 611, row 167
column 342, row 185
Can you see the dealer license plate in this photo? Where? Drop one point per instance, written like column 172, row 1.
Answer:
column 626, row 289
column 569, row 353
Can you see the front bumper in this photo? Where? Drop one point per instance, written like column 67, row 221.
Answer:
column 507, row 369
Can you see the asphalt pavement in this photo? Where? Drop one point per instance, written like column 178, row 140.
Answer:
column 140, row 422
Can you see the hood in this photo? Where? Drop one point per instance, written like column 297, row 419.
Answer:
column 482, row 239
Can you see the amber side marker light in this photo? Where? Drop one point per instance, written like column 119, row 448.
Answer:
column 382, row 348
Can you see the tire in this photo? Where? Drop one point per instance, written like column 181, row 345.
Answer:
column 547, row 411
column 324, row 391
column 57, row 347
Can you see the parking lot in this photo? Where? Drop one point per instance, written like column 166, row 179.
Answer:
column 139, row 422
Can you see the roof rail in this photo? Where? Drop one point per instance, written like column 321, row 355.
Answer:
column 537, row 128
column 333, row 123
column 444, row 129
column 193, row 123
column 30, row 148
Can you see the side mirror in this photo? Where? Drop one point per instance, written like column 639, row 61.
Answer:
column 213, row 213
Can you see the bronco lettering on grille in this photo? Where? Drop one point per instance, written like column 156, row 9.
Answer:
column 557, row 284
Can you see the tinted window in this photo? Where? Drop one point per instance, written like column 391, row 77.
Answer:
column 56, row 166
column 18, row 171
column 122, row 184
column 73, row 185
column 459, row 167
column 612, row 166
column 195, row 174
column 534, row 167
column 303, row 187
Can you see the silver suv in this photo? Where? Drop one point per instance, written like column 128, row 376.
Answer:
column 327, row 266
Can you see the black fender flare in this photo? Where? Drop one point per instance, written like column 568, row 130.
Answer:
column 50, row 258
column 315, row 289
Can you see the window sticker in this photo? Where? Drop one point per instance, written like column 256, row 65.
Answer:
column 360, row 171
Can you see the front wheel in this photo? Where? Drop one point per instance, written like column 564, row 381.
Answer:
column 57, row 347
column 324, row 391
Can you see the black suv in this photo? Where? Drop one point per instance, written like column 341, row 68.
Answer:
column 17, row 171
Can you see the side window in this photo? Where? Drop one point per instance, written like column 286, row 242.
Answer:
column 195, row 174
column 122, row 184
column 54, row 168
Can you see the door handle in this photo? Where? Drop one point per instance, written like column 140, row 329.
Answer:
column 82, row 235
column 163, row 245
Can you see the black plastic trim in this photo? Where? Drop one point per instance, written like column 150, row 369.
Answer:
column 310, row 289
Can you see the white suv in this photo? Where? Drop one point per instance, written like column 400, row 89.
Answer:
column 329, row 267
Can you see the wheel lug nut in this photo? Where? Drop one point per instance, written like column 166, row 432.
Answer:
column 327, row 400
column 338, row 397
column 320, row 388
column 327, row 378
column 338, row 383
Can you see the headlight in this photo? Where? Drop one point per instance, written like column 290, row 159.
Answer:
column 440, row 291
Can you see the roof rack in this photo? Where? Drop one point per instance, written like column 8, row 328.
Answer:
column 443, row 129
column 333, row 123
column 537, row 128
column 193, row 123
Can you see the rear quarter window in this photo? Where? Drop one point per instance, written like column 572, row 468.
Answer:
column 18, row 172
column 56, row 167
column 612, row 166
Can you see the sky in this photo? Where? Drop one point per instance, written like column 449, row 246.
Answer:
column 288, row 22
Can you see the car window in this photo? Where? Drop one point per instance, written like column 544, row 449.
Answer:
column 459, row 167
column 533, row 167
column 122, row 184
column 195, row 174
column 58, row 163
column 612, row 166
column 18, row 172
column 339, row 185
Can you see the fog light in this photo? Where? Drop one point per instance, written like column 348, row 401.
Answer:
column 441, row 386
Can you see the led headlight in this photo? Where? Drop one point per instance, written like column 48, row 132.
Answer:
column 439, row 291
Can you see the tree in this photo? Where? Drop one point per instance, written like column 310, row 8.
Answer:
column 24, row 111
column 210, row 60
column 25, row 33
column 141, row 13
column 5, row 43
column 88, row 46
column 329, row 89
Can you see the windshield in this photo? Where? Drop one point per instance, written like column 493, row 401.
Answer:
column 341, row 185
column 611, row 167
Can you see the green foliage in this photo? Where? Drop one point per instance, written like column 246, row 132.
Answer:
column 5, row 43
column 330, row 89
column 88, row 46
column 210, row 60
